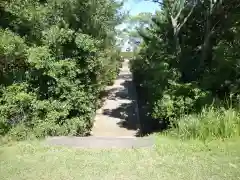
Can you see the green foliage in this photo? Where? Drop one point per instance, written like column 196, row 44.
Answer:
column 55, row 59
column 210, row 123
column 190, row 60
column 12, row 56
column 127, row 54
column 180, row 99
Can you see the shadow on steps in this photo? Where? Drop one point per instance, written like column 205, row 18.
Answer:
column 126, row 111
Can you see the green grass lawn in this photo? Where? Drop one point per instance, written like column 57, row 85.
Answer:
column 170, row 159
column 127, row 54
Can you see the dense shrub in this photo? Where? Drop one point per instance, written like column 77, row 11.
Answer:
column 189, row 60
column 55, row 59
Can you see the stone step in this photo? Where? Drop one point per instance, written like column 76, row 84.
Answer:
column 101, row 142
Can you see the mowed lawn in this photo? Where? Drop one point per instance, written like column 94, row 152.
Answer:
column 170, row 159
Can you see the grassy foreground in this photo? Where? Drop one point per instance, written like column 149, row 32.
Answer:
column 170, row 159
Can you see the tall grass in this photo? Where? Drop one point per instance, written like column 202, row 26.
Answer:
column 210, row 123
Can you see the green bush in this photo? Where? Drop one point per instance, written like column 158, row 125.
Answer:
column 185, row 64
column 180, row 99
column 55, row 59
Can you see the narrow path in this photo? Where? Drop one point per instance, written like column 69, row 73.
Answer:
column 118, row 116
column 116, row 123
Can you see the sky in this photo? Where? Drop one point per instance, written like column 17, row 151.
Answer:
column 138, row 6
column 135, row 7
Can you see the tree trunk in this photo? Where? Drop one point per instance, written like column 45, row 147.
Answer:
column 207, row 45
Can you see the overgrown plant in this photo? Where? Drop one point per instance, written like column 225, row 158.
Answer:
column 55, row 59
column 210, row 123
column 189, row 58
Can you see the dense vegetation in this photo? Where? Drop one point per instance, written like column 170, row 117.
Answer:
column 187, row 68
column 56, row 56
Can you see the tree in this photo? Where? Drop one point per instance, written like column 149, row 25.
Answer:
column 134, row 25
column 56, row 58
column 189, row 58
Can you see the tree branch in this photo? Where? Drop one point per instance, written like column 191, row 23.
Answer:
column 186, row 18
